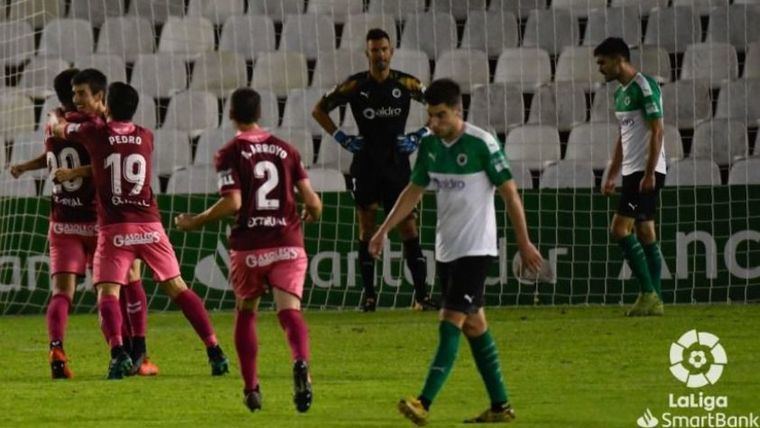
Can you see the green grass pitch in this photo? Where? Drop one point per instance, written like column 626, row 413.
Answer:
column 564, row 366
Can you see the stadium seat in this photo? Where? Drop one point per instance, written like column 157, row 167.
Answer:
column 280, row 72
column 714, row 63
column 248, row 35
column 567, row 174
column 339, row 10
column 192, row 111
column 27, row 146
column 145, row 115
column 414, row 62
column 38, row 74
column 36, row 12
column 535, row 145
column 431, row 32
column 398, row 9
column 275, row 9
column 673, row 29
column 299, row 138
column 23, row 187
column 521, row 174
column 736, row 24
column 327, row 180
column 335, row 66
column 188, row 37
column 171, row 151
column 159, row 75
column 721, row 140
column 193, row 179
column 739, row 100
column 491, row 33
column 673, row 143
column 66, row 39
column 745, row 171
column 332, row 155
column 417, row 118
column 219, row 72
column 16, row 43
column 96, row 11
column 593, row 143
column 652, row 60
column 579, row 8
column 467, row 67
column 693, row 172
column 217, row 11
column 111, row 65
column 210, row 141
column 354, row 34
column 520, row 8
column 752, row 62
column 577, row 65
column 622, row 22
column 156, row 11
column 460, row 10
column 603, row 103
column 499, row 105
column 308, row 34
column 561, row 105
column 270, row 115
column 551, row 30
column 298, row 108
column 644, row 7
column 49, row 105
column 686, row 103
column 126, row 37
column 702, row 7
column 529, row 68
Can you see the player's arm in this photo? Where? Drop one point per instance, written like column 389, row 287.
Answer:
column 37, row 163
column 531, row 258
column 67, row 174
column 321, row 113
column 227, row 205
column 312, row 204
column 653, row 156
column 406, row 202
column 614, row 168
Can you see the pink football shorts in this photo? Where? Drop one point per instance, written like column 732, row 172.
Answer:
column 120, row 244
column 72, row 247
column 251, row 272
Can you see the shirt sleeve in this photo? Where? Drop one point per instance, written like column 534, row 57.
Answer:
column 652, row 102
column 79, row 132
column 420, row 174
column 298, row 170
column 226, row 170
column 415, row 87
column 338, row 96
column 496, row 164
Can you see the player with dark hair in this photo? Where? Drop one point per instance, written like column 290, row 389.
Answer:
column 640, row 156
column 464, row 165
column 129, row 224
column 258, row 173
column 379, row 100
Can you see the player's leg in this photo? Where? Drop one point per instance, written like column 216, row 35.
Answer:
column 366, row 216
column 645, row 231
column 110, row 323
column 247, row 347
column 57, row 317
column 136, row 304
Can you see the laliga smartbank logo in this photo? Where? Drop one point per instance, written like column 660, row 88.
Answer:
column 697, row 359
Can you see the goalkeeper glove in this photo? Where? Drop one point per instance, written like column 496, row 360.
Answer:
column 408, row 143
column 352, row 143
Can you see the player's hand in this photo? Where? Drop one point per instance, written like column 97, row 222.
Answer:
column 531, row 258
column 647, row 183
column 608, row 188
column 185, row 222
column 307, row 217
column 64, row 174
column 16, row 171
column 408, row 143
column 352, row 143
column 376, row 244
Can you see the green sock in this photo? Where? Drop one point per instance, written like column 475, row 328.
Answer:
column 487, row 359
column 448, row 344
column 637, row 261
column 654, row 260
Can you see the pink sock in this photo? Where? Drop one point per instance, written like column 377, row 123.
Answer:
column 110, row 319
column 294, row 325
column 58, row 316
column 247, row 347
column 195, row 312
column 137, row 307
column 126, row 328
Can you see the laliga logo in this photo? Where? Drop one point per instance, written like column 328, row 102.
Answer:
column 697, row 359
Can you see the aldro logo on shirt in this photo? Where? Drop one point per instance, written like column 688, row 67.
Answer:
column 381, row 112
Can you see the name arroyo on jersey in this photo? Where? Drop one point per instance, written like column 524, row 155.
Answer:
column 268, row 258
column 136, row 239
column 272, row 149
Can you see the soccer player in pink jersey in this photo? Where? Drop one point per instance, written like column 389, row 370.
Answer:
column 72, row 236
column 129, row 224
column 257, row 176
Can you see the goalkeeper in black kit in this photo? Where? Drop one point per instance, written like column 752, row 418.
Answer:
column 379, row 100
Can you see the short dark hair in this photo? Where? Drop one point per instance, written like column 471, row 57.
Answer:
column 613, row 46
column 443, row 91
column 377, row 34
column 245, row 105
column 62, row 85
column 91, row 77
column 122, row 101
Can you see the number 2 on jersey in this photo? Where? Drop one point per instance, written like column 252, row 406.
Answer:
column 134, row 169
column 267, row 170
